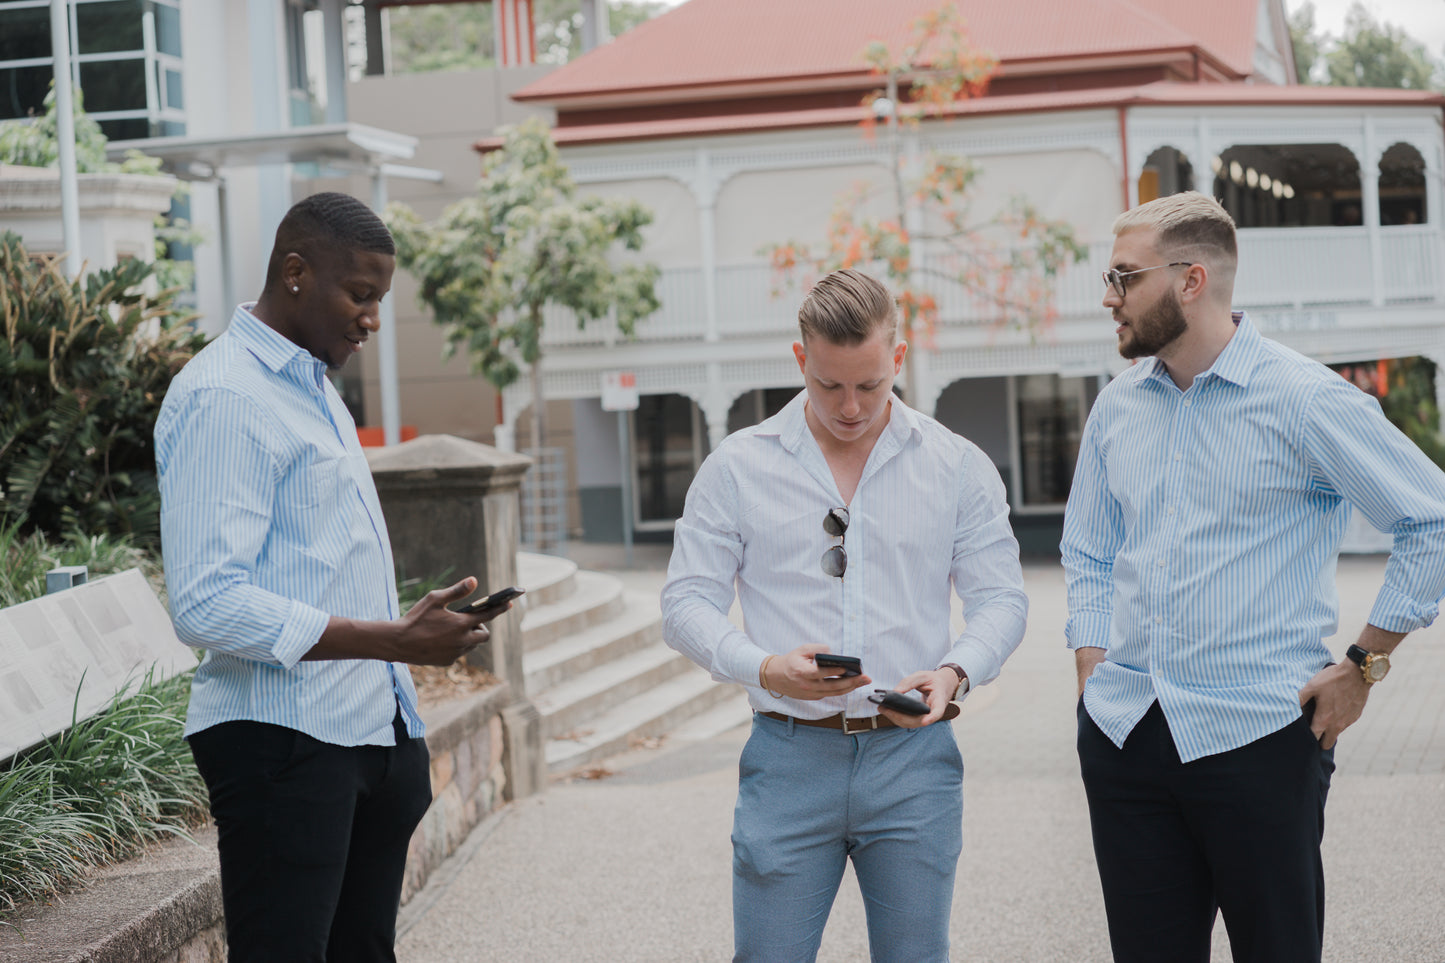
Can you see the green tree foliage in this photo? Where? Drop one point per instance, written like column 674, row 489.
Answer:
column 1370, row 54
column 459, row 36
column 84, row 366
column 525, row 240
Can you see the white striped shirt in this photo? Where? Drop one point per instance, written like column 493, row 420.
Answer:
column 1202, row 532
column 270, row 525
column 929, row 512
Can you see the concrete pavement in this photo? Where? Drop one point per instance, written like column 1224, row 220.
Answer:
column 636, row 866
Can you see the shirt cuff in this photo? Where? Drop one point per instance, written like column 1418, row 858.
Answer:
column 1394, row 611
column 742, row 663
column 299, row 634
column 1089, row 630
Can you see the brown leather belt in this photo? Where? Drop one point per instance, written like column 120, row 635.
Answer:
column 837, row 721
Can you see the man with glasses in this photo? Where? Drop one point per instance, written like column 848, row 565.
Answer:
column 840, row 524
column 1215, row 479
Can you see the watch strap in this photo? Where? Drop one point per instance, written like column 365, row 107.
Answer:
column 963, row 683
column 1357, row 655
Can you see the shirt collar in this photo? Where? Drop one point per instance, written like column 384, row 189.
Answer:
column 270, row 347
column 791, row 424
column 1235, row 363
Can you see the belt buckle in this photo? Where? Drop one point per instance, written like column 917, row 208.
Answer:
column 871, row 723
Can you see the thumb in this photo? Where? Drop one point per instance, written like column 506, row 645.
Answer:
column 460, row 590
column 810, row 649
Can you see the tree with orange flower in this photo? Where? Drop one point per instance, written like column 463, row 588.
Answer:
column 1005, row 263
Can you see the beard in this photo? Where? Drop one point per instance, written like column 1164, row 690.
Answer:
column 1155, row 329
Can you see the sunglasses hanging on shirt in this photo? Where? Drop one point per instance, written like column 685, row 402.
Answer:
column 835, row 559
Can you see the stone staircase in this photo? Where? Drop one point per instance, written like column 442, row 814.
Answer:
column 599, row 673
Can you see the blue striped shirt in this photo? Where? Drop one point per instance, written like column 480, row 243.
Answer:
column 929, row 514
column 1202, row 532
column 270, row 525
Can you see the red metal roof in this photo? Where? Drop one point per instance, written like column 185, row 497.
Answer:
column 705, row 43
column 1157, row 95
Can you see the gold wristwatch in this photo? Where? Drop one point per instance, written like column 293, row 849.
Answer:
column 1373, row 665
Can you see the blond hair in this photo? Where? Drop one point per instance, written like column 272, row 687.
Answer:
column 846, row 307
column 1188, row 226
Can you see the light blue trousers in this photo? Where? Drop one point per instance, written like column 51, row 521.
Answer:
column 810, row 799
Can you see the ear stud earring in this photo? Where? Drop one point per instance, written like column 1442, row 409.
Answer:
column 295, row 289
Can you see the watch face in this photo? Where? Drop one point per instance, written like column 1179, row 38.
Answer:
column 1376, row 666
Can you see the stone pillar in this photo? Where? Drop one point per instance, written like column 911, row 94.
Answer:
column 453, row 504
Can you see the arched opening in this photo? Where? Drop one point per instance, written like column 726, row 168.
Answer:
column 1166, row 171
column 1289, row 185
column 1402, row 186
column 756, row 406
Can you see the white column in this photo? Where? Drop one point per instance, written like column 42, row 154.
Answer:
column 715, row 404
column 65, row 134
column 333, row 47
column 386, row 337
column 1370, row 200
column 705, row 190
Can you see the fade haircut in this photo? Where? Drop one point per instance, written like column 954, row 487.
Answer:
column 1189, row 226
column 323, row 226
column 846, row 307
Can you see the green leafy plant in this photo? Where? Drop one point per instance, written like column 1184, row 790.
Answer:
column 84, row 366
column 25, row 558
column 98, row 792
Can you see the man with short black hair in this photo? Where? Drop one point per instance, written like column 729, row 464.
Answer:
column 303, row 719
column 1214, row 482
column 841, row 524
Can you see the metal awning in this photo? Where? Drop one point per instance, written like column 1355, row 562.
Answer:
column 349, row 148
column 346, row 148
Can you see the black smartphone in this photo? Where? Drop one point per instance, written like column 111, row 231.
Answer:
column 496, row 600
column 899, row 702
column 850, row 664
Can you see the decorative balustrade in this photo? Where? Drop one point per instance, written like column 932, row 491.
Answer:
column 1280, row 268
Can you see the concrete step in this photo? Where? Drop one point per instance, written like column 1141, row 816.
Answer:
column 732, row 710
column 570, row 706
column 595, row 599
column 547, row 578
column 655, row 712
column 636, row 627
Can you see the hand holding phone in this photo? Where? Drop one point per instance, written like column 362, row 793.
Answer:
column 487, row 603
column 850, row 665
column 899, row 702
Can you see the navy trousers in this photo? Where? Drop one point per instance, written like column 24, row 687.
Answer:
column 1237, row 833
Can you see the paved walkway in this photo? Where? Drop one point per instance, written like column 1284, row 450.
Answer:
column 635, row 867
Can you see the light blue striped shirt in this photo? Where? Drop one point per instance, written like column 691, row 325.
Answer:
column 929, row 514
column 270, row 525
column 1202, row 532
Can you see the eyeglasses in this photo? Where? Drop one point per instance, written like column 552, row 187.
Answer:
column 835, row 559
column 1114, row 278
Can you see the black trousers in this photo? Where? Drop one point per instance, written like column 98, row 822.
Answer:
column 313, row 839
column 1238, row 832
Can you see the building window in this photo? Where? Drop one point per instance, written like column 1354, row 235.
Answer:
column 125, row 58
column 668, row 446
column 1050, row 411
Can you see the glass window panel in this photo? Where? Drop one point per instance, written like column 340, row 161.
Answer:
column 667, row 449
column 104, row 27
column 114, row 85
column 24, row 33
column 128, row 128
column 1051, row 423
column 172, row 128
column 175, row 98
column 168, row 30
column 23, row 90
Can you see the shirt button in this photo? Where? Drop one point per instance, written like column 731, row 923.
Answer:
column 1160, row 563
column 1177, row 456
column 1171, row 509
column 1158, row 619
column 1188, row 402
